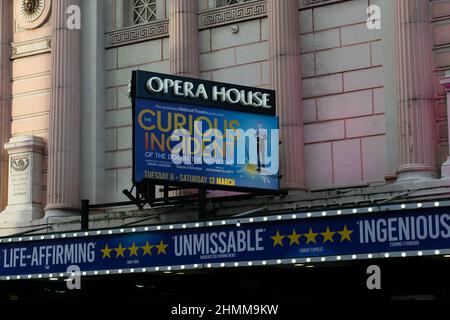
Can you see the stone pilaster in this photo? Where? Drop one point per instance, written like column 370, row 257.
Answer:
column 445, row 82
column 183, row 42
column 286, row 78
column 6, row 16
column 415, row 91
column 25, row 179
column 63, row 185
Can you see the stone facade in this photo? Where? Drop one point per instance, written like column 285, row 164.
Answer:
column 345, row 101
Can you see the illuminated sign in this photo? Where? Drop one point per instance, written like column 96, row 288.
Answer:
column 163, row 87
column 203, row 134
column 255, row 241
column 187, row 89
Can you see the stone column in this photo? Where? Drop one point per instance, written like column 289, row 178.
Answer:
column 183, row 42
column 286, row 78
column 445, row 82
column 63, row 185
column 6, row 15
column 183, row 45
column 92, row 102
column 415, row 91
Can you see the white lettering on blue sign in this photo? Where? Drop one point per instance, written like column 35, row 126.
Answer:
column 187, row 89
column 74, row 253
column 404, row 229
column 218, row 243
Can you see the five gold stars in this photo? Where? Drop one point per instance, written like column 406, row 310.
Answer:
column 328, row 236
column 134, row 250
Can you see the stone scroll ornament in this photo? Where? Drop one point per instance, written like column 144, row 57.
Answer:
column 19, row 165
column 31, row 14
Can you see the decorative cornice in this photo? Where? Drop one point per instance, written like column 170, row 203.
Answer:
column 138, row 33
column 30, row 48
column 246, row 11
column 232, row 14
column 306, row 4
column 206, row 19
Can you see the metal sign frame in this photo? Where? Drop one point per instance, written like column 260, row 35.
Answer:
column 144, row 191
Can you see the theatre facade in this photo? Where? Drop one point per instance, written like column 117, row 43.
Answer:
column 359, row 90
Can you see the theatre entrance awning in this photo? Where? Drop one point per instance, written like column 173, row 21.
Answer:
column 338, row 235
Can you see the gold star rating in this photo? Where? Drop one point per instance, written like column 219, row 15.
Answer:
column 161, row 248
column 120, row 251
column 133, row 250
column 106, row 252
column 277, row 239
column 345, row 234
column 294, row 237
column 328, row 235
column 147, row 249
column 311, row 236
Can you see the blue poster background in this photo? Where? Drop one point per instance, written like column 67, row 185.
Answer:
column 152, row 156
column 426, row 229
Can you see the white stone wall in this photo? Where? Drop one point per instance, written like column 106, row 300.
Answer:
column 239, row 57
column 344, row 96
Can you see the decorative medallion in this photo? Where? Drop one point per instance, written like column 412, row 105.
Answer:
column 19, row 165
column 31, row 9
column 32, row 14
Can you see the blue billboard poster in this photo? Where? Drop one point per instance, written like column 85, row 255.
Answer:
column 202, row 134
column 242, row 147
column 253, row 241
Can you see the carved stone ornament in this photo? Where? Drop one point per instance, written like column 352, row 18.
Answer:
column 31, row 14
column 19, row 165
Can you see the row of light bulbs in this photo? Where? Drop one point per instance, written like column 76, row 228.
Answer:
column 168, row 269
column 238, row 224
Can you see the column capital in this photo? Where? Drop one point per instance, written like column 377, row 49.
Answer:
column 25, row 144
